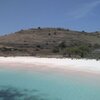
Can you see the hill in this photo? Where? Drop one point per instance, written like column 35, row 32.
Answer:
column 51, row 42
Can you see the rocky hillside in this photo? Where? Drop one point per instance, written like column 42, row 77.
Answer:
column 51, row 42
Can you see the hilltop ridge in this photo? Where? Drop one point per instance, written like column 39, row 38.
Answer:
column 51, row 42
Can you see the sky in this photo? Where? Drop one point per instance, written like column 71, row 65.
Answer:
column 70, row 14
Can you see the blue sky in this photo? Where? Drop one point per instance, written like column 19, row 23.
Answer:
column 72, row 14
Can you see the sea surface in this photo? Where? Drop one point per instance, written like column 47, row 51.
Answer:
column 19, row 84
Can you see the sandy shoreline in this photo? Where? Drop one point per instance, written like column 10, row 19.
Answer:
column 91, row 66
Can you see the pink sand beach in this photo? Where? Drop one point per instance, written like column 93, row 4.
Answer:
column 65, row 64
column 84, row 69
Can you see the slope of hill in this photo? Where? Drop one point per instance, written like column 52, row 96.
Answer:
column 51, row 42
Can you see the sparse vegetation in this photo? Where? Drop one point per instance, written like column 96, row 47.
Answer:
column 47, row 41
column 55, row 50
column 83, row 31
column 38, row 46
column 67, row 30
column 76, row 51
column 55, row 33
column 49, row 34
column 62, row 45
column 39, row 28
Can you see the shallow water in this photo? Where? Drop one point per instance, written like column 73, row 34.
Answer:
column 40, row 85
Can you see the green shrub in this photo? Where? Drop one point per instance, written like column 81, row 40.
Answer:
column 78, row 50
column 62, row 45
column 55, row 50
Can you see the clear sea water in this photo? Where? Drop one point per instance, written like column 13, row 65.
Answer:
column 40, row 85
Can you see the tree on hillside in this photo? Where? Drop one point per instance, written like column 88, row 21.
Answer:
column 78, row 50
column 62, row 45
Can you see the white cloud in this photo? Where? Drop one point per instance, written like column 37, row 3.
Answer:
column 83, row 10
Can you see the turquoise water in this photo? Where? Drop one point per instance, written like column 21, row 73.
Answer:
column 40, row 85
